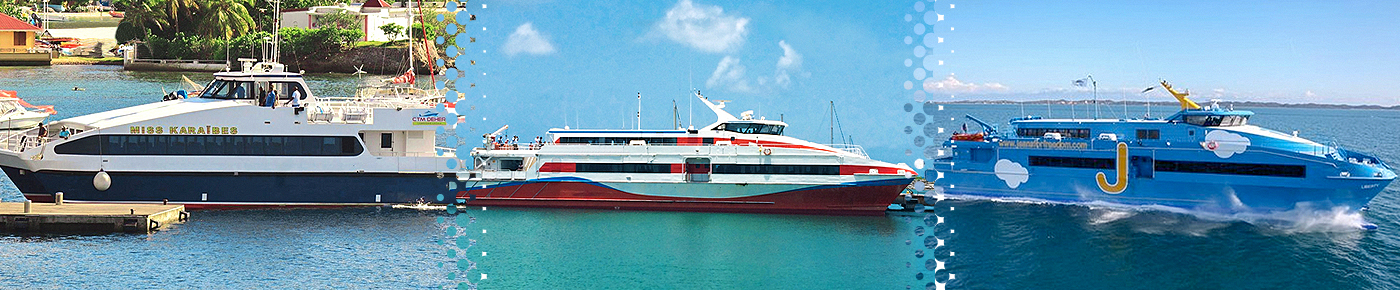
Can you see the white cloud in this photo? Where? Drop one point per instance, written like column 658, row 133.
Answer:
column 729, row 74
column 703, row 27
column 527, row 40
column 732, row 75
column 953, row 85
column 790, row 61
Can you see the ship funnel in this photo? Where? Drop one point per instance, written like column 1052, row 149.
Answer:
column 1181, row 97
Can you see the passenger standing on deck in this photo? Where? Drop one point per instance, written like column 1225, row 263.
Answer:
column 272, row 100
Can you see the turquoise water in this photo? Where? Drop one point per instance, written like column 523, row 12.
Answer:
column 989, row 244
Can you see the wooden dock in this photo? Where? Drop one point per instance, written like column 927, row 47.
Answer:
column 88, row 218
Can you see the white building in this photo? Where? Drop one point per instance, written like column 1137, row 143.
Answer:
column 372, row 14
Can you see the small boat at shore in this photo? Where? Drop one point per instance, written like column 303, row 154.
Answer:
column 15, row 113
column 1203, row 158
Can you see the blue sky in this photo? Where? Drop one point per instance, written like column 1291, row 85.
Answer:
column 582, row 63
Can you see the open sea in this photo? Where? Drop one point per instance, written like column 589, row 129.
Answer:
column 988, row 244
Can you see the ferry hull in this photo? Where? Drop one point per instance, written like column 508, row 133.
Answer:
column 1214, row 195
column 230, row 190
column 862, row 198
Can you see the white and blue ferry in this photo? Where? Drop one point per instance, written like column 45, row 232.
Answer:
column 229, row 146
column 1201, row 158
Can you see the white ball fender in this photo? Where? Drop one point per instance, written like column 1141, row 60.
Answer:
column 102, row 181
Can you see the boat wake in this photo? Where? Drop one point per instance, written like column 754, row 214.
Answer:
column 1165, row 219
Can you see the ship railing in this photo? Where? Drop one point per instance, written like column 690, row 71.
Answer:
column 492, row 146
column 437, row 152
column 852, row 148
column 19, row 140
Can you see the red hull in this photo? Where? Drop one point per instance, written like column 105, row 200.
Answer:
column 850, row 200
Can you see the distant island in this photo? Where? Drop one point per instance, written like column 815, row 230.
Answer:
column 1175, row 104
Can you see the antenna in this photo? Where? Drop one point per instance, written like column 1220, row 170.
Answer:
column 832, row 127
column 639, row 110
column 1095, row 85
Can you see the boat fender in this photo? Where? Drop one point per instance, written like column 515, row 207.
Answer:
column 102, row 181
column 767, row 151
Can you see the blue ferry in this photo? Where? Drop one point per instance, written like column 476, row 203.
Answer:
column 1206, row 159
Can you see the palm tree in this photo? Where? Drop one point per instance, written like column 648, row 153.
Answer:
column 140, row 15
column 225, row 19
column 180, row 8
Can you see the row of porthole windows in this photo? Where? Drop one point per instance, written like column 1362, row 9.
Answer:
column 212, row 145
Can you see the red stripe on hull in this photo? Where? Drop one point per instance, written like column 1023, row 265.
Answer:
column 864, row 200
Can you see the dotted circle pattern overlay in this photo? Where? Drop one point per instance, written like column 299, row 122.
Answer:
column 925, row 130
column 460, row 232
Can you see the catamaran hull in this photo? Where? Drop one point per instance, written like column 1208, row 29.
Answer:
column 1219, row 194
column 233, row 190
column 859, row 198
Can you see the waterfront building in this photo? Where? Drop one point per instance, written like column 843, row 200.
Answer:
column 17, row 46
column 372, row 14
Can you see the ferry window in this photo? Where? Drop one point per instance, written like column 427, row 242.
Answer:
column 622, row 167
column 777, row 169
column 751, row 128
column 286, row 89
column 386, row 140
column 1072, row 162
column 1212, row 121
column 212, row 145
column 615, row 140
column 1144, row 134
column 1040, row 132
column 1279, row 170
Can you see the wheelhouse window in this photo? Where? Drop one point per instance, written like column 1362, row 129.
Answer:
column 1217, row 121
column 223, row 89
column 751, row 128
column 220, row 89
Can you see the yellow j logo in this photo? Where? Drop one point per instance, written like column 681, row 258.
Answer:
column 1122, row 174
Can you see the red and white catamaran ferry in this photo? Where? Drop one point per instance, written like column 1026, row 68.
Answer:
column 733, row 165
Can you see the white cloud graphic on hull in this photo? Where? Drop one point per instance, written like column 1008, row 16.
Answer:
column 1013, row 173
column 1225, row 144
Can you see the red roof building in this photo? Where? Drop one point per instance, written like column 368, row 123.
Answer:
column 10, row 23
column 375, row 3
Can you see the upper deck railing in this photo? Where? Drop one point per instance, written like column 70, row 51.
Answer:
column 19, row 140
column 849, row 148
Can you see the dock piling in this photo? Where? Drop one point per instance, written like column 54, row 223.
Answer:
column 28, row 206
column 58, row 198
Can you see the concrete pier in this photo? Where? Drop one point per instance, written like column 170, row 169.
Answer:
column 21, row 217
